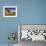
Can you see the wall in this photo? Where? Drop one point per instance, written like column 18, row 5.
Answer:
column 29, row 12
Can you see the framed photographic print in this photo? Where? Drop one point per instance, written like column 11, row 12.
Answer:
column 9, row 11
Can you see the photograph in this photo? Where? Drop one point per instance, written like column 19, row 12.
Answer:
column 9, row 11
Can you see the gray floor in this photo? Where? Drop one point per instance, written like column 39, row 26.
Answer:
column 7, row 45
column 30, row 43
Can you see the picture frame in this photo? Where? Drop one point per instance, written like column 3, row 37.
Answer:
column 9, row 11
